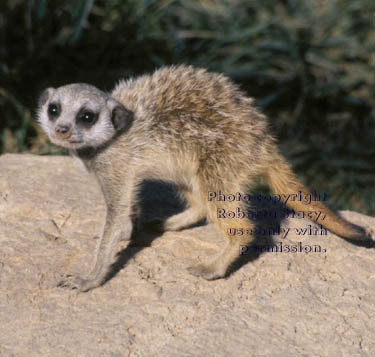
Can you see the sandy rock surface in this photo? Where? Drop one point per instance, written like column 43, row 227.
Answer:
column 273, row 304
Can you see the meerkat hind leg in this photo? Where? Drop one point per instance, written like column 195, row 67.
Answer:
column 218, row 266
column 194, row 213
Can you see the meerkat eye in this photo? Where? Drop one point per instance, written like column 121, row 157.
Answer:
column 53, row 110
column 86, row 117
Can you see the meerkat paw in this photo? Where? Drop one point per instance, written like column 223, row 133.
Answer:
column 207, row 272
column 75, row 282
column 370, row 233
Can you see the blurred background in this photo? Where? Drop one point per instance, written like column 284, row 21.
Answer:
column 309, row 64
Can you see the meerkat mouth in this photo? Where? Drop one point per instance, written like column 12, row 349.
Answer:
column 67, row 142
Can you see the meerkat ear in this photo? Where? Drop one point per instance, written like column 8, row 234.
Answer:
column 45, row 96
column 121, row 117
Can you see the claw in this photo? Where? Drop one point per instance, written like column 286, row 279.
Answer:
column 75, row 282
column 204, row 271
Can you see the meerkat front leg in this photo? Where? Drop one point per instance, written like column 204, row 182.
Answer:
column 118, row 226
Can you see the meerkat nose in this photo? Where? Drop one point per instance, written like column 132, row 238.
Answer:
column 62, row 130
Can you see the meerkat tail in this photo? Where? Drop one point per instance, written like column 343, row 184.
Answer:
column 283, row 181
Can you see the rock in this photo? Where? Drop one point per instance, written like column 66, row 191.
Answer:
column 272, row 304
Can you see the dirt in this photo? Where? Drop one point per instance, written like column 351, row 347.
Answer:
column 272, row 303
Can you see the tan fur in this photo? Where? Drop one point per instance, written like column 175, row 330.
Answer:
column 198, row 130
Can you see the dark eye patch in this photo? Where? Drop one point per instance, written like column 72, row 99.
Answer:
column 54, row 110
column 86, row 117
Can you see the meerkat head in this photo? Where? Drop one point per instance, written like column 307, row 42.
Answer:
column 79, row 115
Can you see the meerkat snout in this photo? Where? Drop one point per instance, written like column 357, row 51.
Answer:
column 62, row 130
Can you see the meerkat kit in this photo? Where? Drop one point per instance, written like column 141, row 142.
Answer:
column 180, row 124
